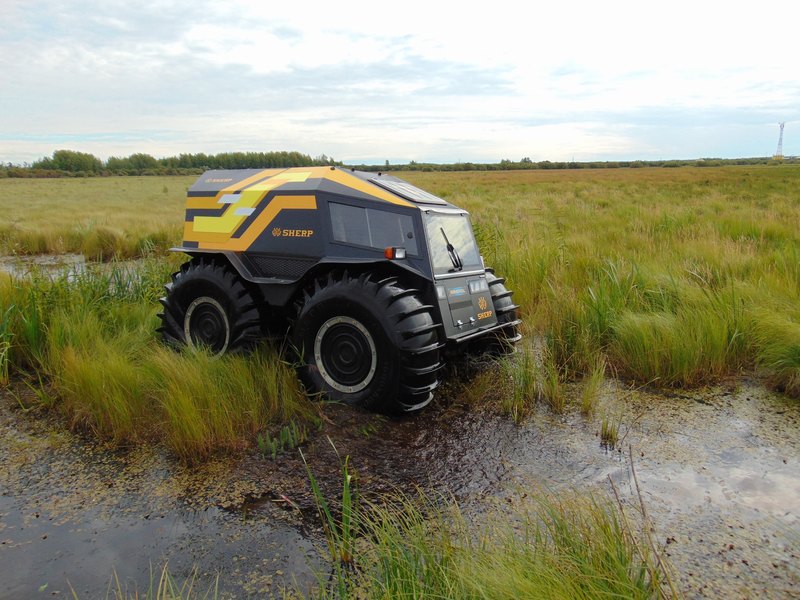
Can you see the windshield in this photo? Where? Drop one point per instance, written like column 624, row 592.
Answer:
column 451, row 243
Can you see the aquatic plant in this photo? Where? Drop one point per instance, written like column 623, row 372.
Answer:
column 590, row 389
column 289, row 437
column 609, row 432
column 416, row 546
column 340, row 526
column 162, row 585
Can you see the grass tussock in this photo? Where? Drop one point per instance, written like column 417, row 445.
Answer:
column 90, row 337
column 778, row 350
column 590, row 390
column 609, row 431
column 530, row 377
column 418, row 547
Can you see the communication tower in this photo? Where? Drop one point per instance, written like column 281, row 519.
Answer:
column 779, row 151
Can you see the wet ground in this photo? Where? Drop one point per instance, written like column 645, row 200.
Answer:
column 719, row 471
column 54, row 264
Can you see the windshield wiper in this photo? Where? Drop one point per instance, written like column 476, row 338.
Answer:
column 451, row 252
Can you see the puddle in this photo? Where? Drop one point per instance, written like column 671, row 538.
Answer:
column 719, row 471
column 54, row 265
column 73, row 514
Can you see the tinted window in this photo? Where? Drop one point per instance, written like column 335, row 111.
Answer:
column 349, row 224
column 374, row 228
column 390, row 229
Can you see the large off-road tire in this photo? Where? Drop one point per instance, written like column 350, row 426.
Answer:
column 506, row 312
column 368, row 343
column 208, row 306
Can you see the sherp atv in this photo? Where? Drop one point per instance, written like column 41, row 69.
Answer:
column 374, row 279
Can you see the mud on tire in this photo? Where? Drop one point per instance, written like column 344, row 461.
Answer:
column 207, row 305
column 367, row 343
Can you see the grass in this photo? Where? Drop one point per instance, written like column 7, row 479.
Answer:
column 571, row 546
column 101, row 218
column 609, row 431
column 674, row 277
column 5, row 342
column 531, row 376
column 670, row 277
column 591, row 388
column 164, row 586
column 89, row 338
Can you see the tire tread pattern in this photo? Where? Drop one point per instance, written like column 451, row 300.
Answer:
column 199, row 277
column 409, row 325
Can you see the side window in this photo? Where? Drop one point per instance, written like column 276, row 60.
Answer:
column 390, row 229
column 349, row 224
column 372, row 228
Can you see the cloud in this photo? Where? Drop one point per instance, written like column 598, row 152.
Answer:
column 430, row 82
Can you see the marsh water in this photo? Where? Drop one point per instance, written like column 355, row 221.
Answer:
column 54, row 264
column 718, row 470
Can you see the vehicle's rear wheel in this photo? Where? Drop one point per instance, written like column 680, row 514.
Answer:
column 207, row 306
column 367, row 343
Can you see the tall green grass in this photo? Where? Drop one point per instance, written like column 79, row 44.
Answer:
column 667, row 277
column 162, row 586
column 673, row 277
column 89, row 336
column 101, row 218
column 419, row 547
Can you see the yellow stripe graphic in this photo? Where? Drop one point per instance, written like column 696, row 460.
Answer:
column 351, row 181
column 230, row 221
column 208, row 202
column 223, row 241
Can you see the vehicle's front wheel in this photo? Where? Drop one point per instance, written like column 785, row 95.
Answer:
column 207, row 306
column 367, row 343
column 505, row 338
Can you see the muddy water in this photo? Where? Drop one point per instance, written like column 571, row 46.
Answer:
column 52, row 264
column 73, row 513
column 719, row 471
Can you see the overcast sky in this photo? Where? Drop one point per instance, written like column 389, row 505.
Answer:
column 400, row 81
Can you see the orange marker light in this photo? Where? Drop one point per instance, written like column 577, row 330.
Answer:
column 393, row 253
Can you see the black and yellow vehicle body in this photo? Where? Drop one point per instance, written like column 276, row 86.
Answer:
column 286, row 234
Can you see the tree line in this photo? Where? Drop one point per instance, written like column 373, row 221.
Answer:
column 72, row 163
column 528, row 164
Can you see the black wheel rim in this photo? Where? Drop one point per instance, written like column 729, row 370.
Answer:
column 345, row 354
column 206, row 325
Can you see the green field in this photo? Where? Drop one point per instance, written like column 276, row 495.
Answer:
column 126, row 217
column 664, row 277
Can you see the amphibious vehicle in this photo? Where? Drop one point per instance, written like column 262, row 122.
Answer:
column 374, row 280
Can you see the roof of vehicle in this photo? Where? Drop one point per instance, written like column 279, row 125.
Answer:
column 337, row 180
